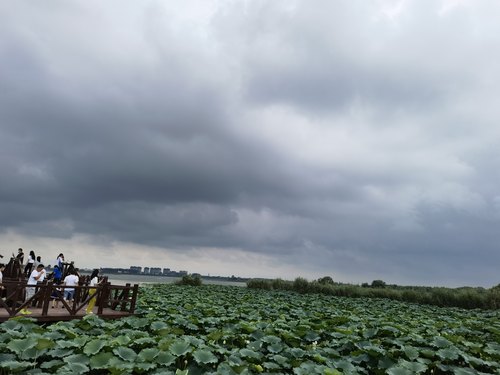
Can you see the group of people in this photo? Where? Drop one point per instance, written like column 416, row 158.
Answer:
column 35, row 271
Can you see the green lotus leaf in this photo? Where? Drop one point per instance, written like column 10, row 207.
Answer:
column 448, row 353
column 165, row 358
column 157, row 325
column 51, row 364
column 225, row 369
column 59, row 353
column 120, row 340
column 248, row 328
column 297, row 352
column 312, row 336
column 411, row 352
column 215, row 335
column 147, row 355
column 235, row 360
column 11, row 324
column 138, row 322
column 94, row 346
column 144, row 366
column 440, row 342
column 255, row 345
column 329, row 371
column 275, row 348
column 180, row 347
column 250, row 353
column 271, row 365
column 194, row 341
column 493, row 348
column 15, row 365
column 370, row 332
column 385, row 363
column 414, row 367
column 398, row 371
column 77, row 358
column 125, row 353
column 181, row 372
column 464, row 371
column 75, row 368
column 7, row 357
column 345, row 365
column 271, row 339
column 101, row 360
column 64, row 344
column 280, row 359
column 144, row 340
column 44, row 343
column 18, row 346
column 204, row 356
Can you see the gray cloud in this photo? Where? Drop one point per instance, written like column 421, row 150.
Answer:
column 346, row 138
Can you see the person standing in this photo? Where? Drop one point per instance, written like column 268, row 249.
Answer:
column 29, row 264
column 36, row 276
column 71, row 280
column 94, row 281
column 56, row 294
column 2, row 267
column 60, row 261
column 20, row 256
column 37, row 262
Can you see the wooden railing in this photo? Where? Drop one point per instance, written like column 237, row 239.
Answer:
column 115, row 297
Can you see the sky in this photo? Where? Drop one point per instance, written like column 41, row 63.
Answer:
column 353, row 139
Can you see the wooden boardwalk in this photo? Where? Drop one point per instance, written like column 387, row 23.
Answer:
column 112, row 301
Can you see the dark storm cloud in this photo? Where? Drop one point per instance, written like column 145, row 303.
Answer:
column 339, row 137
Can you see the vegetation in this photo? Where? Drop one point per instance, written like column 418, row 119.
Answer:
column 233, row 330
column 468, row 298
column 190, row 280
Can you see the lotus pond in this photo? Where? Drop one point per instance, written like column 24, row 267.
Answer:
column 233, row 330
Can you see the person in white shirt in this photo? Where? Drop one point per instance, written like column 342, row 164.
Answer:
column 37, row 276
column 71, row 280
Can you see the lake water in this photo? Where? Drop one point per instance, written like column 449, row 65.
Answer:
column 121, row 279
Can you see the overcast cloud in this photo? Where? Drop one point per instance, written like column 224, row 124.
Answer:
column 258, row 138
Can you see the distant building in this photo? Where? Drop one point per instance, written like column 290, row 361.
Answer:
column 182, row 273
column 135, row 269
column 155, row 271
column 166, row 271
column 146, row 270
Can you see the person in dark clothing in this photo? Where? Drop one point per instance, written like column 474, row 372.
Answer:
column 20, row 256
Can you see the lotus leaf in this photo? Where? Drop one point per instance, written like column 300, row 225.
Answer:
column 180, row 347
column 15, row 366
column 125, row 353
column 75, row 368
column 101, row 360
column 18, row 346
column 250, row 353
column 148, row 355
column 164, row 358
column 52, row 364
column 204, row 356
column 399, row 371
column 94, row 346
column 448, row 353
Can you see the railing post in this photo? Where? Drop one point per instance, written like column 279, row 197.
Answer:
column 135, row 292
column 47, row 292
column 104, row 295
column 124, row 297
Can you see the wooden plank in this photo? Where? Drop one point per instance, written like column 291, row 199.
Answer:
column 109, row 299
